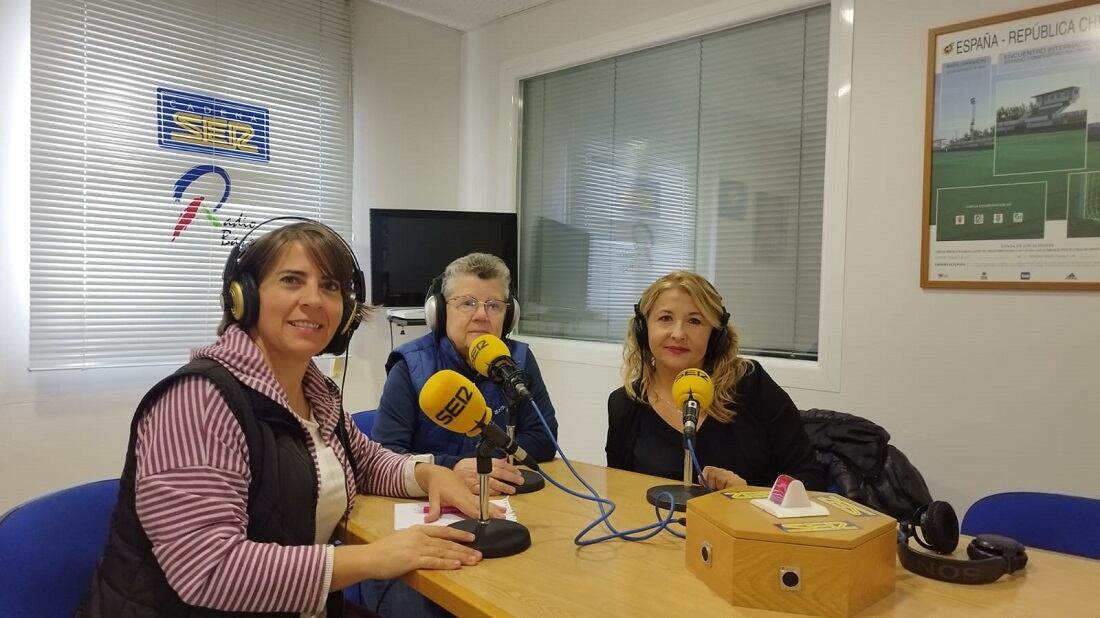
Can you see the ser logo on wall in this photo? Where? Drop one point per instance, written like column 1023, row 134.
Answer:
column 211, row 126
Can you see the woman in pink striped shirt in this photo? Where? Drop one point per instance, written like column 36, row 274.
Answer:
column 241, row 465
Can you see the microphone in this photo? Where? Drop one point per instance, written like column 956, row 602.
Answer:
column 490, row 357
column 693, row 391
column 454, row 403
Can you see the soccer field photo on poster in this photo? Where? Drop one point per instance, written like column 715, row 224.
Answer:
column 1012, row 152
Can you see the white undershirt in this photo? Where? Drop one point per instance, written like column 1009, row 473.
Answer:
column 332, row 498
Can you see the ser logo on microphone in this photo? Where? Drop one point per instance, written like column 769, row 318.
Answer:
column 455, row 406
column 694, row 373
column 479, row 345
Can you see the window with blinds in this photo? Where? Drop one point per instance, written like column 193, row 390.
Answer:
column 162, row 131
column 706, row 154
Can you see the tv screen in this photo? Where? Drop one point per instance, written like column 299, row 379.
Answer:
column 408, row 248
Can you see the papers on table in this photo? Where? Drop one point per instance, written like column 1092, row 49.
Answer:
column 407, row 514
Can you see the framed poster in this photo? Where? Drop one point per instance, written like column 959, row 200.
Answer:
column 1012, row 151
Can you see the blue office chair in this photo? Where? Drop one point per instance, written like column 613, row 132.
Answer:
column 50, row 547
column 1067, row 524
column 365, row 420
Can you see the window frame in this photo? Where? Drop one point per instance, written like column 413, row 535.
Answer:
column 822, row 374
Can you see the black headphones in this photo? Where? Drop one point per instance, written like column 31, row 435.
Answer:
column 991, row 555
column 435, row 309
column 717, row 343
column 240, row 295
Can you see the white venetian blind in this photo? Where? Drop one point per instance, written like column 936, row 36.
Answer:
column 115, row 279
column 707, row 155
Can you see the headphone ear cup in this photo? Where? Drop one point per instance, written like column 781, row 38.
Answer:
column 719, row 337
column 435, row 323
column 435, row 307
column 511, row 316
column 350, row 318
column 939, row 528
column 641, row 329
column 996, row 546
column 352, row 314
column 716, row 344
column 244, row 299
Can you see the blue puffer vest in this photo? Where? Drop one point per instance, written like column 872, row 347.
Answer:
column 425, row 356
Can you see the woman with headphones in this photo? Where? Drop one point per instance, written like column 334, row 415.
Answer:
column 243, row 462
column 752, row 431
column 472, row 298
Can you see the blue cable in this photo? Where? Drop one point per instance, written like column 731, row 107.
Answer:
column 698, row 468
column 650, row 530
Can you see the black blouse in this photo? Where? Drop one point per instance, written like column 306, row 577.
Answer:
column 764, row 439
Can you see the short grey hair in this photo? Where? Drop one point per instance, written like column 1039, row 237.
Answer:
column 484, row 265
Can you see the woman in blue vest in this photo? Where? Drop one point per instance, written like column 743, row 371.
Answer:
column 473, row 299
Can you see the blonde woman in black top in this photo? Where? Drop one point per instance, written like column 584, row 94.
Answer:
column 750, row 434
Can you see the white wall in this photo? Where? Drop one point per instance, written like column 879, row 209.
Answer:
column 405, row 85
column 985, row 391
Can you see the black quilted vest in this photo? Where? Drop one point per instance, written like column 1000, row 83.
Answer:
column 282, row 504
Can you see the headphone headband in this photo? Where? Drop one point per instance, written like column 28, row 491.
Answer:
column 241, row 246
column 991, row 556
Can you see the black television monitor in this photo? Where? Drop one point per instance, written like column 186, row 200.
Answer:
column 409, row 248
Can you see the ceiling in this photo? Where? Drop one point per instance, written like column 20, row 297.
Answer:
column 460, row 14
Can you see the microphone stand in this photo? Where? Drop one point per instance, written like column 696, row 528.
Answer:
column 680, row 493
column 532, row 481
column 494, row 538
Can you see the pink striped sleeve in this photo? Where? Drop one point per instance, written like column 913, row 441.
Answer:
column 381, row 471
column 192, row 492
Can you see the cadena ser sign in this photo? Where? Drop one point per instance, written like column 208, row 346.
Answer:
column 210, row 125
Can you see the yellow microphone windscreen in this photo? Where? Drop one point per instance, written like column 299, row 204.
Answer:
column 453, row 402
column 694, row 383
column 483, row 351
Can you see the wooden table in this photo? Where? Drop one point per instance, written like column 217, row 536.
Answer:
column 619, row 578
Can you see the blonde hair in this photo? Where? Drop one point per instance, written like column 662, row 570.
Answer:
column 725, row 369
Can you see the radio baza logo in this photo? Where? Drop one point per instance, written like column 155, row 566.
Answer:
column 195, row 206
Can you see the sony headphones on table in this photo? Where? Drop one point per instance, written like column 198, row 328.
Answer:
column 716, row 343
column 435, row 309
column 935, row 527
column 241, row 292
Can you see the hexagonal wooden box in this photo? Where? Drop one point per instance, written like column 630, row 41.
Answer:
column 833, row 565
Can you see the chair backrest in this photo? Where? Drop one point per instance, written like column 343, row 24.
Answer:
column 50, row 547
column 1067, row 524
column 365, row 420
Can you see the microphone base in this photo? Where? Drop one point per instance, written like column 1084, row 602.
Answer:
column 495, row 538
column 532, row 481
column 679, row 493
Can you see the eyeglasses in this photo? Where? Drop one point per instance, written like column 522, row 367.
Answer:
column 467, row 305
